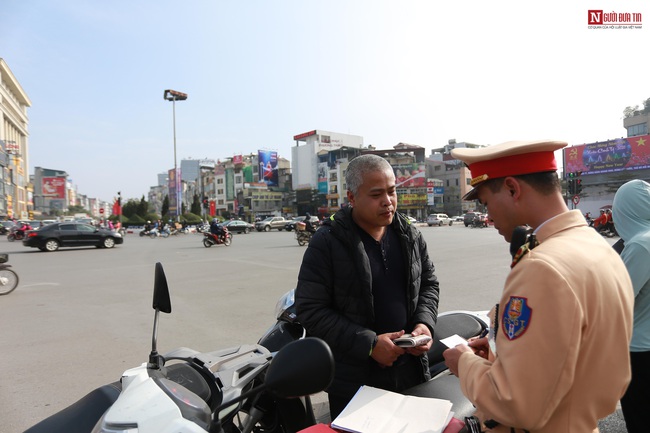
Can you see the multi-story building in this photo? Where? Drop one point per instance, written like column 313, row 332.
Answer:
column 15, row 190
column 637, row 124
column 305, row 169
column 449, row 180
column 51, row 191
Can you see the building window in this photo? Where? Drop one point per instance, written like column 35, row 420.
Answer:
column 640, row 129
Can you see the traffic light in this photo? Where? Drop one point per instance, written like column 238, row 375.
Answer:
column 206, row 204
column 578, row 186
column 571, row 186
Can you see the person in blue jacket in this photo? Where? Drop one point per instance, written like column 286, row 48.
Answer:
column 631, row 211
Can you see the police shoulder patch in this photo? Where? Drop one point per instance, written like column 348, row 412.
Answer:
column 516, row 318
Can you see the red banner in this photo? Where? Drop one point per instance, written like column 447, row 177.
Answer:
column 117, row 209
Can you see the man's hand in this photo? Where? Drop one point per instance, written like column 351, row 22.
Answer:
column 386, row 352
column 453, row 355
column 420, row 329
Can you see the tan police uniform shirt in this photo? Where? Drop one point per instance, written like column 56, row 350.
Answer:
column 564, row 326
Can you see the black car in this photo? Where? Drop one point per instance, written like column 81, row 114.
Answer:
column 238, row 226
column 71, row 234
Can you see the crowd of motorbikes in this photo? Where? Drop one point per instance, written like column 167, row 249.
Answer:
column 262, row 387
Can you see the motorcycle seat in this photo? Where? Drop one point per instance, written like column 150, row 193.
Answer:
column 81, row 416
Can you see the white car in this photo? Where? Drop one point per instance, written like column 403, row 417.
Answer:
column 438, row 219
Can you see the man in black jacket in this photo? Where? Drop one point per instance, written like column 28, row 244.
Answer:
column 365, row 279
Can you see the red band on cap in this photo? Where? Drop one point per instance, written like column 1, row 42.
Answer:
column 514, row 165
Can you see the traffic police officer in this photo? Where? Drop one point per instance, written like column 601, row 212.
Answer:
column 556, row 359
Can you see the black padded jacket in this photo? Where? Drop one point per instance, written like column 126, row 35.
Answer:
column 334, row 298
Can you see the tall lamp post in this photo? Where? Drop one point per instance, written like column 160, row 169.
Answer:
column 173, row 95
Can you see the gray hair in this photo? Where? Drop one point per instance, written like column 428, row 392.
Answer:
column 361, row 165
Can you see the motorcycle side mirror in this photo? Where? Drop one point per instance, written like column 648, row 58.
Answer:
column 161, row 302
column 161, row 299
column 302, row 367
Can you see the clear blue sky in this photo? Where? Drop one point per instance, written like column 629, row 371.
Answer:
column 259, row 72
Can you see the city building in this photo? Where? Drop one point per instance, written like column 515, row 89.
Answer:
column 15, row 189
column 51, row 191
column 308, row 145
column 450, row 180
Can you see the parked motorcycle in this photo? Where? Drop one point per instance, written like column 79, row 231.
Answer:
column 155, row 233
column 241, row 389
column 210, row 239
column 203, row 228
column 443, row 385
column 8, row 278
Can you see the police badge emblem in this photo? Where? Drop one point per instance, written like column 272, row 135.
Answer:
column 516, row 317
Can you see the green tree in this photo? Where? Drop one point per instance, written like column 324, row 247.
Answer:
column 130, row 208
column 196, row 205
column 165, row 205
column 631, row 111
column 143, row 207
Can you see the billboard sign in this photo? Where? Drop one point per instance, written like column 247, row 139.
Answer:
column 268, row 163
column 409, row 175
column 631, row 153
column 322, row 177
column 53, row 187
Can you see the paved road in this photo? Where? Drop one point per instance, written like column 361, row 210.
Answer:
column 80, row 317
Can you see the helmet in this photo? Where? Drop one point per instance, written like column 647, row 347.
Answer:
column 214, row 220
column 307, row 214
column 148, row 222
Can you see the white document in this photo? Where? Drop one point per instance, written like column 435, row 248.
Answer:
column 374, row 410
column 453, row 341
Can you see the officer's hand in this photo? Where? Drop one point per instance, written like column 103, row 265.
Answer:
column 480, row 346
column 453, row 355
column 386, row 352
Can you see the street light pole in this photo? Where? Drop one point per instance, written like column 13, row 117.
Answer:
column 173, row 95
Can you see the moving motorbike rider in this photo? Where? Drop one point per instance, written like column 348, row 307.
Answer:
column 20, row 231
column 308, row 225
column 216, row 229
